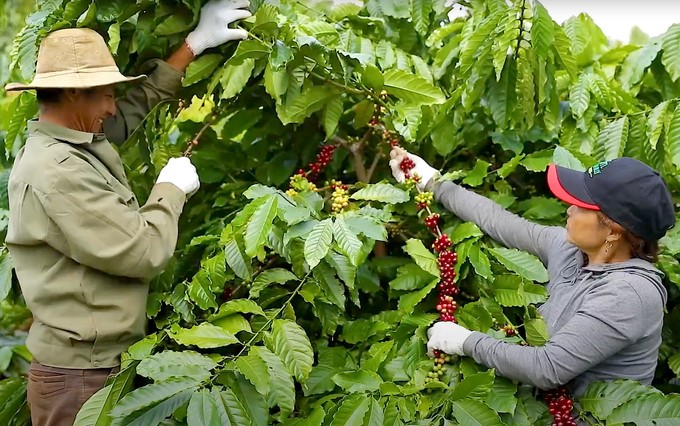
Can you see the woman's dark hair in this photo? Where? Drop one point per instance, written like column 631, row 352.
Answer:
column 642, row 249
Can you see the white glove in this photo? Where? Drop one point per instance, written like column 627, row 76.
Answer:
column 422, row 169
column 447, row 337
column 181, row 173
column 212, row 29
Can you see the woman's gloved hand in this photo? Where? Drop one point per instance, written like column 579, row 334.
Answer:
column 447, row 337
column 421, row 168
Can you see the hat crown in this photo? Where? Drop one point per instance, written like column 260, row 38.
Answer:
column 74, row 50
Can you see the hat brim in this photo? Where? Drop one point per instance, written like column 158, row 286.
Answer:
column 74, row 80
column 569, row 186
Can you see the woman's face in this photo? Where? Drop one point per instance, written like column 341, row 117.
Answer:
column 585, row 230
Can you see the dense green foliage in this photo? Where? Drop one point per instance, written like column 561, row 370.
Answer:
column 325, row 313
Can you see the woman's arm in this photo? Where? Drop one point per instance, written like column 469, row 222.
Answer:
column 613, row 317
column 503, row 226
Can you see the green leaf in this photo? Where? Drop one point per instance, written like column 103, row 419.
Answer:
column 373, row 78
column 522, row 263
column 234, row 323
column 168, row 364
column 612, row 140
column 412, row 88
column 382, row 192
column 601, row 398
column 511, row 290
column 352, row 411
column 297, row 108
column 253, row 368
column 275, row 82
column 235, row 77
column 200, row 292
column 318, row 242
column 24, row 108
column 242, row 306
column 480, row 261
column 542, row 31
column 671, row 56
column 470, row 412
column 269, row 276
column 422, row 256
column 536, row 331
column 282, row 391
column 579, row 96
column 408, row 302
column 201, row 68
column 420, row 13
column 358, row 381
column 375, row 415
column 367, row 226
column 204, row 336
column 248, row 49
column 476, row 176
column 674, row 363
column 254, row 405
column 564, row 158
column 474, row 386
column 346, row 272
column 411, row 277
column 203, row 409
column 228, row 404
column 139, row 402
column 648, row 410
column 260, row 225
column 502, row 397
column 655, row 123
column 281, row 55
column 464, row 231
column 673, row 137
column 95, row 411
column 236, row 259
column 114, row 38
column 331, row 287
column 563, row 49
column 290, row 342
column 349, row 243
column 537, row 161
column 332, row 113
column 6, row 267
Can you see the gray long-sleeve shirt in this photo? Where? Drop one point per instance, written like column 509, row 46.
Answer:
column 604, row 320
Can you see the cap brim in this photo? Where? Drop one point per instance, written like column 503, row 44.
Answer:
column 74, row 81
column 569, row 186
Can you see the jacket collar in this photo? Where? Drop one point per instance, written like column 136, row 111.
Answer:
column 62, row 133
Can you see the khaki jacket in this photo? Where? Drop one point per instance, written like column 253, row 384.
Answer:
column 82, row 247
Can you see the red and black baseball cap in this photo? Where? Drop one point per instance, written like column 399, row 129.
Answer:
column 626, row 190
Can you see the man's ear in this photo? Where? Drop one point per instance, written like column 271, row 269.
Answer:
column 71, row 95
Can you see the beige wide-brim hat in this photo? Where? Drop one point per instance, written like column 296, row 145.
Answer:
column 76, row 58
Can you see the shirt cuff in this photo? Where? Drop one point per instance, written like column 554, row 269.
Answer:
column 162, row 75
column 168, row 193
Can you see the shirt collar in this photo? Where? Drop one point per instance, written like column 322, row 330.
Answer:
column 63, row 133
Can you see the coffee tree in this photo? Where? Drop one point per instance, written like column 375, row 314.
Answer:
column 305, row 278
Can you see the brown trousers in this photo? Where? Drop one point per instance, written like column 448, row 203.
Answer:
column 56, row 394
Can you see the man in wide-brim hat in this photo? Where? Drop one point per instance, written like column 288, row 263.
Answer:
column 82, row 248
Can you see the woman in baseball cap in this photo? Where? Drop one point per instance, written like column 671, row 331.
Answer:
column 606, row 299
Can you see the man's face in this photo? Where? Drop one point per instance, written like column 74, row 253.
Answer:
column 91, row 107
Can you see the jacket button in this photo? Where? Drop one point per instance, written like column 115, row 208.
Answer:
column 96, row 364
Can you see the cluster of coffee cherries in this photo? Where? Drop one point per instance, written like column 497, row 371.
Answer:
column 446, row 261
column 509, row 330
column 323, row 158
column 560, row 406
column 339, row 197
column 299, row 183
column 438, row 370
column 424, row 199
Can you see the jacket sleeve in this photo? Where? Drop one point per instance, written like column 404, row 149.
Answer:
column 93, row 225
column 598, row 330
column 162, row 83
column 503, row 226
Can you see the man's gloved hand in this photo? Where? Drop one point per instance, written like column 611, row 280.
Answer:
column 422, row 169
column 212, row 29
column 181, row 173
column 447, row 337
